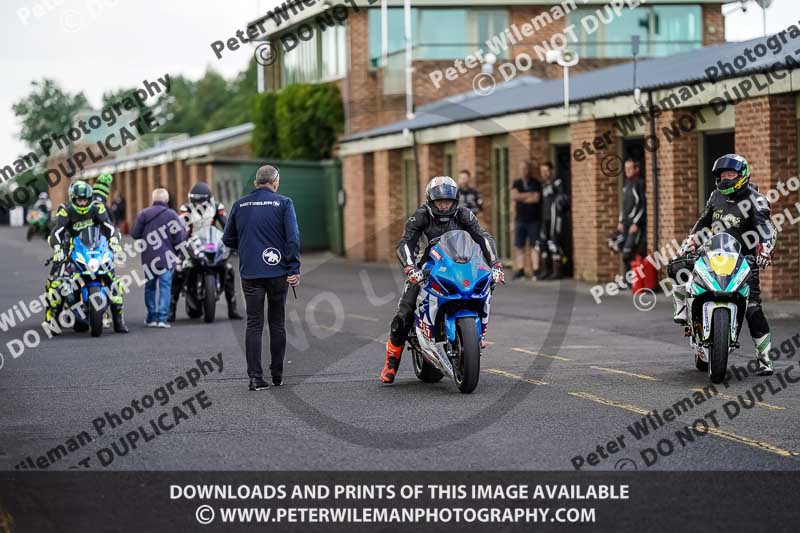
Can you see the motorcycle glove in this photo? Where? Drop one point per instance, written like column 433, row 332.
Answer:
column 115, row 246
column 414, row 275
column 498, row 276
column 763, row 257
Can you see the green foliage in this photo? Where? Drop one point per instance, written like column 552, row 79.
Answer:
column 47, row 109
column 309, row 117
column 265, row 134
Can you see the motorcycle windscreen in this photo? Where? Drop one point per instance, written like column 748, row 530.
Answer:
column 211, row 239
column 90, row 237
column 723, row 252
column 458, row 246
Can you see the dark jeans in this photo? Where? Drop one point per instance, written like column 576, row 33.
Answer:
column 255, row 291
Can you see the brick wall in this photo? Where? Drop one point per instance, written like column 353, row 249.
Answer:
column 431, row 164
column 713, row 24
column 359, row 210
column 594, row 206
column 678, row 179
column 769, row 142
column 389, row 208
column 474, row 154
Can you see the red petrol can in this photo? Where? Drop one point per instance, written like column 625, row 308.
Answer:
column 646, row 276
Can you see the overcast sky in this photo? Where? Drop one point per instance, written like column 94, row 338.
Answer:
column 98, row 45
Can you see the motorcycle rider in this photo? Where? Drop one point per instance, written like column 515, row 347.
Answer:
column 199, row 213
column 739, row 206
column 101, row 189
column 43, row 205
column 555, row 206
column 633, row 216
column 80, row 213
column 439, row 214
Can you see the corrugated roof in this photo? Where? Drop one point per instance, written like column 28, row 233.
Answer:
column 184, row 144
column 655, row 73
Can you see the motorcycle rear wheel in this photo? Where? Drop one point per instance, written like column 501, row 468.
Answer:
column 469, row 360
column 425, row 372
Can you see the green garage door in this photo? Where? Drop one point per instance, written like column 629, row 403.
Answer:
column 315, row 188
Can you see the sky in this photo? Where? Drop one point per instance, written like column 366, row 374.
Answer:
column 99, row 45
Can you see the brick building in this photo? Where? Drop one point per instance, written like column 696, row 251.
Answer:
column 387, row 158
column 753, row 110
column 317, row 41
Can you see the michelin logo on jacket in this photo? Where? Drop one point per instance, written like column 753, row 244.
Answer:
column 264, row 220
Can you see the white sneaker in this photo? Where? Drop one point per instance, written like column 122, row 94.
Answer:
column 163, row 325
column 150, row 324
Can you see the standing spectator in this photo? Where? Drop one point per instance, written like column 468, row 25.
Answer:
column 555, row 217
column 158, row 220
column 468, row 196
column 263, row 227
column 543, row 251
column 633, row 217
column 526, row 192
column 118, row 213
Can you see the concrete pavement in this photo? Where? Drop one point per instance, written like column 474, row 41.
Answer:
column 562, row 377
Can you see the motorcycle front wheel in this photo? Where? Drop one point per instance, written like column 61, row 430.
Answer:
column 718, row 355
column 210, row 301
column 95, row 315
column 468, row 367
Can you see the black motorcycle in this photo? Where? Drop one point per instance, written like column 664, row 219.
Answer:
column 204, row 274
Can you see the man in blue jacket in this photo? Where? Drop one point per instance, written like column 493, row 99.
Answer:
column 263, row 227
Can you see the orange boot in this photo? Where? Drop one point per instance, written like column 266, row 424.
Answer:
column 393, row 354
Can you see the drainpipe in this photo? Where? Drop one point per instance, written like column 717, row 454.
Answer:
column 652, row 113
column 409, row 80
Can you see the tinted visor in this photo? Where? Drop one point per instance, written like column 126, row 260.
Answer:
column 443, row 192
column 81, row 202
column 727, row 163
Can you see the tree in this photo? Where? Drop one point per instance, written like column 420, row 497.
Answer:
column 237, row 109
column 47, row 109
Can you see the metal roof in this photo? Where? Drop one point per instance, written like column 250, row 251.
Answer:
column 524, row 95
column 197, row 146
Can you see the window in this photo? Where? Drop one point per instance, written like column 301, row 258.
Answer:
column 436, row 33
column 663, row 30
column 322, row 57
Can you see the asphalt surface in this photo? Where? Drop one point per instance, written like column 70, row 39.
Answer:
column 561, row 376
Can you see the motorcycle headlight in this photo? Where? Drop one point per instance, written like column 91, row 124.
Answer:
column 722, row 264
column 94, row 264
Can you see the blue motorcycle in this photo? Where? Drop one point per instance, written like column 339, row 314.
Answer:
column 92, row 265
column 451, row 302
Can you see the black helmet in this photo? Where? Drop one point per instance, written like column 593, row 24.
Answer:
column 739, row 165
column 442, row 188
column 200, row 193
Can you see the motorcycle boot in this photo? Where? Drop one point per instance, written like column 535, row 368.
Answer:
column 680, row 313
column 393, row 354
column 763, row 345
